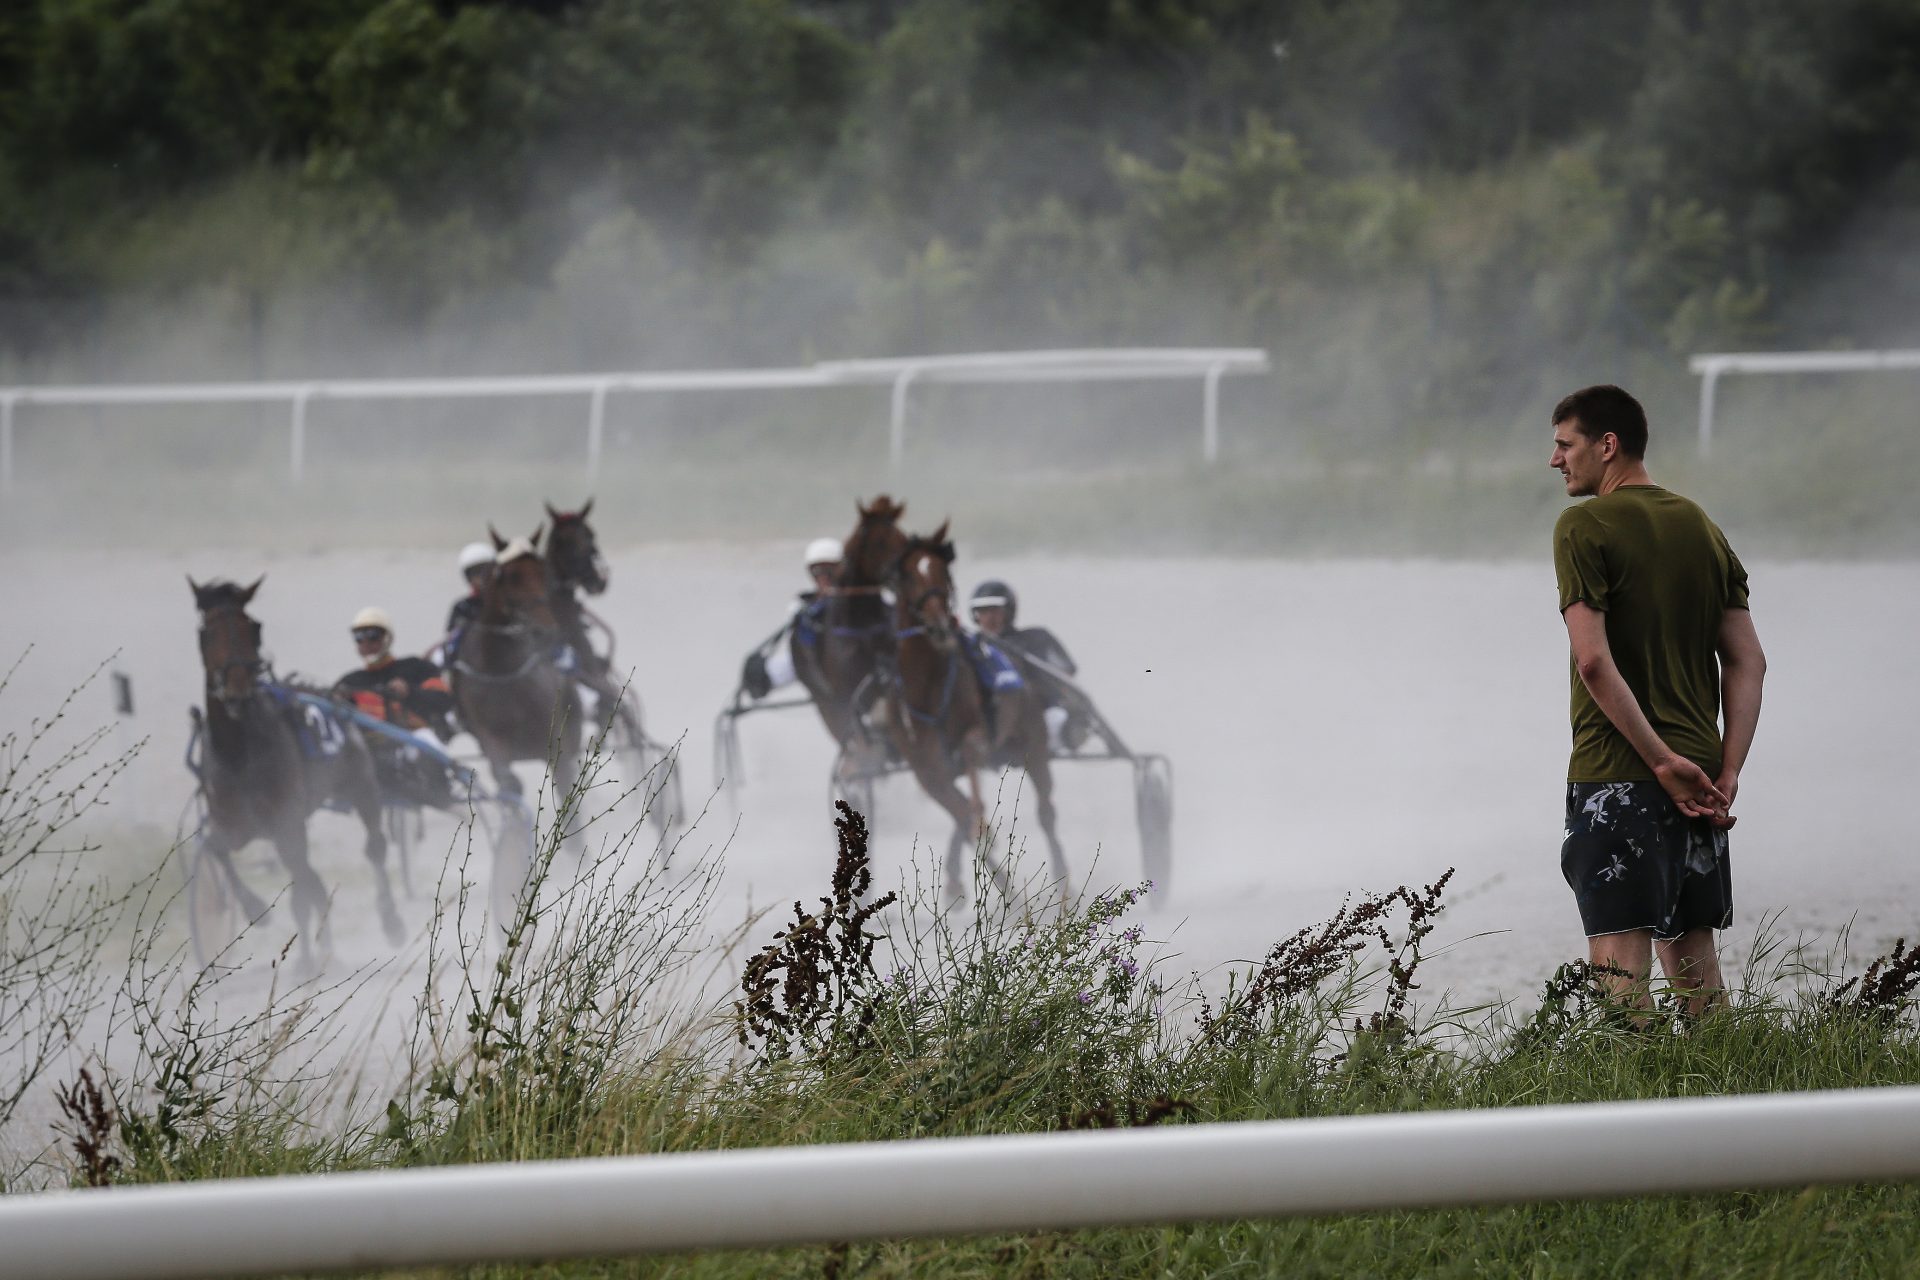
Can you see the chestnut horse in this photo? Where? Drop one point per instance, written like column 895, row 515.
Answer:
column 937, row 714
column 510, row 696
column 270, row 761
column 853, row 638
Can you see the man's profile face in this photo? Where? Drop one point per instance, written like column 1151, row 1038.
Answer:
column 991, row 619
column 1581, row 461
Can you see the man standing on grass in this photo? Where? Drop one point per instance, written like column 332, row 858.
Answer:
column 1655, row 603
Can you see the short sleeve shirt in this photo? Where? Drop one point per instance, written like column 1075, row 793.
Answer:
column 1664, row 576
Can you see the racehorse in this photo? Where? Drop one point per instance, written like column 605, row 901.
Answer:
column 853, row 637
column 269, row 762
column 938, row 717
column 509, row 694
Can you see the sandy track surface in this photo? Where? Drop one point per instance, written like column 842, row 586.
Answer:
column 1334, row 726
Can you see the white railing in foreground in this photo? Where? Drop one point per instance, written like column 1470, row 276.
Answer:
column 1099, row 365
column 938, row 1187
column 1713, row 366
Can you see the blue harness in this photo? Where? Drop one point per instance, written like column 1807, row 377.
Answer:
column 995, row 670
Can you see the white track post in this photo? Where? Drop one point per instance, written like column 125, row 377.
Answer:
column 1210, row 420
column 6, row 443
column 297, row 437
column 1709, row 381
column 897, row 432
column 597, row 426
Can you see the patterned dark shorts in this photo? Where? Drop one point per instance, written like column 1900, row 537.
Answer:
column 1634, row 862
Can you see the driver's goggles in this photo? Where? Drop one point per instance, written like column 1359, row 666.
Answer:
column 361, row 635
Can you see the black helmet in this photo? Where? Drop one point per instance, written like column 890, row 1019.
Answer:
column 994, row 592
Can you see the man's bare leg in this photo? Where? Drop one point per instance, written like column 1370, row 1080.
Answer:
column 1692, row 966
column 1630, row 955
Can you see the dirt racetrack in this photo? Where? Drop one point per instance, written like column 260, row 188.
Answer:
column 1334, row 726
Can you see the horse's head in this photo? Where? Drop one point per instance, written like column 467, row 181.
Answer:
column 521, row 588
column 875, row 546
column 229, row 639
column 573, row 554
column 923, row 586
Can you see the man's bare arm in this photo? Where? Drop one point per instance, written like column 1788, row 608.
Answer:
column 1743, row 669
column 1692, row 791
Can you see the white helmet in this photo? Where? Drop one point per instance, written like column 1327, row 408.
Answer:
column 475, row 554
column 825, row 551
column 372, row 616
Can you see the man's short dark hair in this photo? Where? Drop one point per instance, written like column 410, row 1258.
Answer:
column 1598, row 410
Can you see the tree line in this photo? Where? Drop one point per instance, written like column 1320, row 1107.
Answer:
column 1456, row 189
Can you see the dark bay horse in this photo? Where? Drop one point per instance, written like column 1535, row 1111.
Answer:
column 937, row 714
column 574, row 564
column 509, row 694
column 853, row 637
column 574, row 559
column 269, row 762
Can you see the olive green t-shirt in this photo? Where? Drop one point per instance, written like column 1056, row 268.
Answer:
column 1664, row 575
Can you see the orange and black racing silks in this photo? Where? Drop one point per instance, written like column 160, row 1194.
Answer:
column 427, row 700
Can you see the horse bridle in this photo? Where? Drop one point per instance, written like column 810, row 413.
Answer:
column 570, row 574
column 916, row 604
column 255, row 666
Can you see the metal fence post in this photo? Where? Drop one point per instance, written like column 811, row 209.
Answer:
column 297, row 438
column 596, row 426
column 6, row 443
column 1709, row 381
column 1210, row 422
column 897, row 434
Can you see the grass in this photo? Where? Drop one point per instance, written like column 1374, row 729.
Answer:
column 578, row 1026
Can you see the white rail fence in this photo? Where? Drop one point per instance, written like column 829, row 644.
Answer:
column 901, row 374
column 950, row 1187
column 1714, row 366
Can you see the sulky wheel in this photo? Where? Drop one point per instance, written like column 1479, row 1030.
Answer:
column 1153, row 809
column 213, row 912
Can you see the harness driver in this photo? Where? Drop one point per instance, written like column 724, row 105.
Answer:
column 409, row 693
column 770, row 666
column 1037, row 650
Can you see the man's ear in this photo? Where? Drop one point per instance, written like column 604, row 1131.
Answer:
column 1609, row 447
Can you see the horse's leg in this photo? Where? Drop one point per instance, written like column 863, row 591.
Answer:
column 220, row 846
column 1039, row 768
column 365, row 793
column 500, row 764
column 974, row 754
column 309, row 894
column 928, row 757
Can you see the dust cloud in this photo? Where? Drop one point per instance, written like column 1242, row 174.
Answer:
column 1334, row 726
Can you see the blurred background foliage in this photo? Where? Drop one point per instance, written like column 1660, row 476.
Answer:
column 1428, row 209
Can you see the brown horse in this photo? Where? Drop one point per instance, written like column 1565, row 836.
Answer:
column 271, row 760
column 510, row 696
column 938, row 715
column 852, row 639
